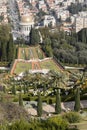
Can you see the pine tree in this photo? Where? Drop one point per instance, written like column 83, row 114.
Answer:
column 20, row 100
column 39, row 106
column 77, row 100
column 34, row 37
column 58, row 102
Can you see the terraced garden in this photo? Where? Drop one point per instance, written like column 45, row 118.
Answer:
column 33, row 58
column 30, row 53
column 49, row 64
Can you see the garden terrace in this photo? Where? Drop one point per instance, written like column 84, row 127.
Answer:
column 38, row 65
column 22, row 67
column 33, row 60
column 30, row 53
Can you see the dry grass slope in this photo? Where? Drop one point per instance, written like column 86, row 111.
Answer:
column 10, row 112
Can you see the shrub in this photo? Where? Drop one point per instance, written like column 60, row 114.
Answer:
column 58, row 123
column 54, row 123
column 19, row 125
column 72, row 117
column 26, row 98
column 15, row 99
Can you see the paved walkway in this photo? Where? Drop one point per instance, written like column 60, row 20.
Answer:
column 80, row 126
column 70, row 105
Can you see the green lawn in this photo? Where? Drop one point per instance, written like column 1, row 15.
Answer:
column 22, row 67
column 40, row 53
column 49, row 64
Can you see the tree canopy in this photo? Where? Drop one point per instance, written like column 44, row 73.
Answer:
column 34, row 37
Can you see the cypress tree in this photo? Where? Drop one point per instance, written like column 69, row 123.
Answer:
column 39, row 106
column 3, row 51
column 58, row 102
column 77, row 100
column 20, row 88
column 24, row 88
column 20, row 100
column 34, row 36
column 27, row 89
column 4, row 89
column 2, row 98
column 13, row 90
column 10, row 49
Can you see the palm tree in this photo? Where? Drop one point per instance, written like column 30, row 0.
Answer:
column 78, row 79
column 58, row 80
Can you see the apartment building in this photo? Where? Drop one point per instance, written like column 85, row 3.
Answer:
column 80, row 23
column 49, row 21
column 63, row 14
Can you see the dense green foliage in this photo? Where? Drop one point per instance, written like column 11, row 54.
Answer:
column 82, row 35
column 70, row 49
column 53, row 123
column 10, row 49
column 7, row 48
column 47, row 47
column 34, row 37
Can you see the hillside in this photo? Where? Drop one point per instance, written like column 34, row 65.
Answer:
column 10, row 112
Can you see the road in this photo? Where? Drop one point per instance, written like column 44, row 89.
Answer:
column 14, row 17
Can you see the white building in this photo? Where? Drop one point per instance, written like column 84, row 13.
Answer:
column 58, row 1
column 80, row 23
column 27, row 21
column 79, row 20
column 83, row 13
column 49, row 21
column 81, row 1
column 63, row 14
